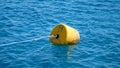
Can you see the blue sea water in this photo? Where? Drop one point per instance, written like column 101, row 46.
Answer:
column 98, row 22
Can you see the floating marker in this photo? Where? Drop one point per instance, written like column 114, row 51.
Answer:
column 64, row 34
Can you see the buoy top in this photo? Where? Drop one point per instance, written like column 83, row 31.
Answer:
column 64, row 35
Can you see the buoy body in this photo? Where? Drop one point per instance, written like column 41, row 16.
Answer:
column 64, row 35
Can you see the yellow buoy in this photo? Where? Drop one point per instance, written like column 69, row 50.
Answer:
column 64, row 35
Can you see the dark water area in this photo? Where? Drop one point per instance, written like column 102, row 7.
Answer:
column 98, row 22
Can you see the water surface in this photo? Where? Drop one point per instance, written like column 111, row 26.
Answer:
column 98, row 22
